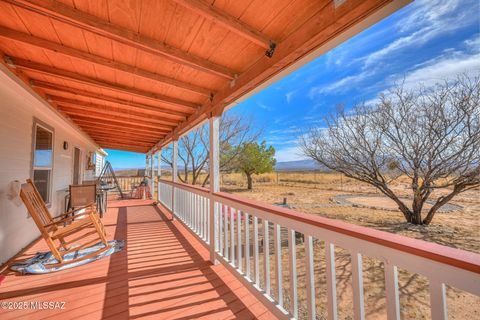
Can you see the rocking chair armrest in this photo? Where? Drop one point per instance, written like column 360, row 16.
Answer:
column 63, row 215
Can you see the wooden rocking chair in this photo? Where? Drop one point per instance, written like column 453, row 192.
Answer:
column 54, row 230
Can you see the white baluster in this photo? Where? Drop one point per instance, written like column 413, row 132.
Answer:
column 255, row 251
column 278, row 263
column 438, row 300
column 357, row 282
column 391, row 288
column 331, row 281
column 225, row 215
column 220, row 227
column 232, row 236
column 266, row 257
column 247, row 245
column 239, row 240
column 310, row 277
column 292, row 259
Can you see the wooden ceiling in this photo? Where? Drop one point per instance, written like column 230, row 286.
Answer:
column 135, row 74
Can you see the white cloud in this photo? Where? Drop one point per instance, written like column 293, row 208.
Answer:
column 442, row 69
column 428, row 20
column 289, row 95
column 473, row 43
column 289, row 154
column 340, row 85
column 264, row 106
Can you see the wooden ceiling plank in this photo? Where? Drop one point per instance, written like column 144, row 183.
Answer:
column 78, row 111
column 62, row 12
column 231, row 23
column 133, row 142
column 83, row 105
column 96, row 135
column 138, row 106
column 95, row 59
column 81, row 110
column 101, row 121
column 91, row 126
column 122, row 147
column 29, row 65
column 121, row 133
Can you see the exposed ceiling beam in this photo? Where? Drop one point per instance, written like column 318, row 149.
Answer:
column 122, row 147
column 119, row 133
column 108, row 125
column 91, row 127
column 235, row 25
column 69, row 15
column 329, row 27
column 78, row 111
column 100, row 121
column 99, row 135
column 128, row 104
column 69, row 75
column 120, row 141
column 83, row 105
column 91, row 58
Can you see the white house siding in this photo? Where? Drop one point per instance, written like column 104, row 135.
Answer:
column 18, row 107
column 99, row 163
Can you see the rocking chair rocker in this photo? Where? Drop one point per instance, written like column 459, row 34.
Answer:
column 55, row 230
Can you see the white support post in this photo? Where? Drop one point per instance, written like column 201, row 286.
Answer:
column 214, row 181
column 159, row 172
column 174, row 174
column 152, row 175
column 146, row 164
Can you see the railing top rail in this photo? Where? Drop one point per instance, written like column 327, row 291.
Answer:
column 187, row 186
column 455, row 257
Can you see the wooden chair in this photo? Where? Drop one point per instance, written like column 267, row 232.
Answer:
column 55, row 230
column 81, row 195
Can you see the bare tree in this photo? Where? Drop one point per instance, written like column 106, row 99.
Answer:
column 431, row 136
column 193, row 148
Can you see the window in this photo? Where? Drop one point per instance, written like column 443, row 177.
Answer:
column 42, row 159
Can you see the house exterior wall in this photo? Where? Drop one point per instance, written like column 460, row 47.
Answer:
column 19, row 106
column 99, row 163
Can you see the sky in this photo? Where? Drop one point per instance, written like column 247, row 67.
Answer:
column 426, row 42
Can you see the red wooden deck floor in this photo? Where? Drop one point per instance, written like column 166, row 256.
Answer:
column 162, row 273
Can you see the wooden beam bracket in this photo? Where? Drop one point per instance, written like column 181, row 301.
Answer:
column 269, row 53
column 9, row 61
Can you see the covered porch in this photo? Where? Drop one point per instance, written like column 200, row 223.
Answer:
column 162, row 273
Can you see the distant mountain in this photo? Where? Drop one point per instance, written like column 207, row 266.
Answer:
column 299, row 165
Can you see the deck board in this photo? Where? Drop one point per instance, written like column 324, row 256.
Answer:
column 162, row 273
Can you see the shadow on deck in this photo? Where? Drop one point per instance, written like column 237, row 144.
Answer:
column 162, row 273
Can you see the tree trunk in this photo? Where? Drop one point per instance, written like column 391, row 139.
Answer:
column 249, row 181
column 417, row 207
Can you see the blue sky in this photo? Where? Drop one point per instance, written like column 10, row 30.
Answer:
column 425, row 42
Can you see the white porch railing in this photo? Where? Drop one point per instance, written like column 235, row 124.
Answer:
column 237, row 231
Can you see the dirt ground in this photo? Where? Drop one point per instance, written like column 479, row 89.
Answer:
column 314, row 194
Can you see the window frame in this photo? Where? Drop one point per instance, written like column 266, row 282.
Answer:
column 44, row 126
